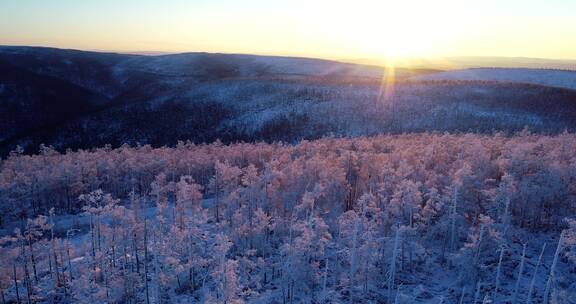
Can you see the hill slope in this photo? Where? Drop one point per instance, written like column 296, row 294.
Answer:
column 75, row 99
column 553, row 78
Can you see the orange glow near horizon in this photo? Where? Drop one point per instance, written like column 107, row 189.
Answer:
column 371, row 30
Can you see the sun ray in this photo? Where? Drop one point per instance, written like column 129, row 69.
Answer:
column 387, row 85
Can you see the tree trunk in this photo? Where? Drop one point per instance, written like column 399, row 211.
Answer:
column 552, row 275
column 146, row 263
column 16, row 285
column 353, row 253
column 531, row 289
column 515, row 296
column 28, row 284
column 462, row 295
column 93, row 242
column 69, row 259
column 393, row 265
column 135, row 247
column 453, row 220
column 477, row 293
column 498, row 271
column 32, row 258
column 56, row 271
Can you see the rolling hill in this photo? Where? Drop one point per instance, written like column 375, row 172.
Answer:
column 76, row 99
column 554, row 78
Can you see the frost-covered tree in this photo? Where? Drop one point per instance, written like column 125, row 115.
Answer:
column 188, row 199
column 222, row 184
column 331, row 220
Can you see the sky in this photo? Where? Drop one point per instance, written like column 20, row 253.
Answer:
column 333, row 29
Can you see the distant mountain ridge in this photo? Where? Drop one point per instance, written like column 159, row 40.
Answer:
column 77, row 99
column 548, row 77
column 464, row 62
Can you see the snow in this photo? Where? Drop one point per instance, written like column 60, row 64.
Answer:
column 303, row 66
column 393, row 243
column 78, row 259
column 213, row 66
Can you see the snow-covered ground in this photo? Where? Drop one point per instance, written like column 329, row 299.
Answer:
column 438, row 281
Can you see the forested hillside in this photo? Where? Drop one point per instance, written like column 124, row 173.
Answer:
column 548, row 77
column 417, row 218
column 78, row 100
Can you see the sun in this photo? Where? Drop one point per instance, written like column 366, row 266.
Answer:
column 395, row 41
column 386, row 29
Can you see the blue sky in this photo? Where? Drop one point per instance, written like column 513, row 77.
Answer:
column 332, row 29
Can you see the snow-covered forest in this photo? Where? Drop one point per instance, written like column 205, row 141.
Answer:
column 418, row 218
column 83, row 100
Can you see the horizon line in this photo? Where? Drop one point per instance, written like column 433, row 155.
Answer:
column 371, row 61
